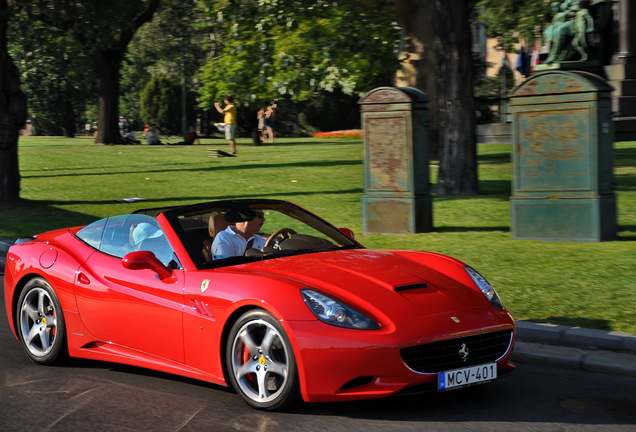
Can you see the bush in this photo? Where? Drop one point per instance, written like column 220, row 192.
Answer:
column 160, row 104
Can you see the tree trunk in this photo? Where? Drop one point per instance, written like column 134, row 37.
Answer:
column 69, row 125
column 107, row 64
column 437, row 59
column 13, row 115
column 419, row 60
column 455, row 100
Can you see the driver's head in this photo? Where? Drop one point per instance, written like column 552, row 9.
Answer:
column 248, row 221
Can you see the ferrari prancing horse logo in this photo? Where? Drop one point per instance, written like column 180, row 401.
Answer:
column 204, row 285
column 463, row 352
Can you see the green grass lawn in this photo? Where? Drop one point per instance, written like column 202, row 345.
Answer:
column 72, row 181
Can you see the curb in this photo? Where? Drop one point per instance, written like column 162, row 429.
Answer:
column 591, row 350
column 576, row 337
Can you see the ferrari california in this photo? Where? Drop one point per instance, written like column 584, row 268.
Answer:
column 304, row 313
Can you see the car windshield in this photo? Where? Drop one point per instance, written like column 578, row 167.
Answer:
column 281, row 228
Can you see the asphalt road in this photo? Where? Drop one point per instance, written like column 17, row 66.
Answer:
column 96, row 396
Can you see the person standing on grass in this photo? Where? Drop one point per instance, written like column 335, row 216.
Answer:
column 229, row 112
column 270, row 113
column 260, row 118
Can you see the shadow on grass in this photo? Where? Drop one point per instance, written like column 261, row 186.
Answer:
column 30, row 217
column 198, row 167
column 498, row 189
column 625, row 182
column 625, row 157
column 622, row 229
column 27, row 217
column 573, row 321
column 456, row 229
column 495, row 158
column 628, row 229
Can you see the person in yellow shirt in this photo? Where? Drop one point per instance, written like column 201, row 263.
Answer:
column 229, row 113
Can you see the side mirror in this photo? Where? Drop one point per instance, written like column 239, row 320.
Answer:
column 141, row 260
column 348, row 232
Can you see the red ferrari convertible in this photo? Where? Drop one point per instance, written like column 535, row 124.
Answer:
column 304, row 313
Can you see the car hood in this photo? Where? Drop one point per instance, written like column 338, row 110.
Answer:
column 395, row 283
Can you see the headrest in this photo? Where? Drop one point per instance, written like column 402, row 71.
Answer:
column 145, row 231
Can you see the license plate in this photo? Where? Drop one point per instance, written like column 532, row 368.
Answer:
column 466, row 376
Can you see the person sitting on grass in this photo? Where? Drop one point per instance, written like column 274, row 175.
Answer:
column 153, row 137
column 129, row 138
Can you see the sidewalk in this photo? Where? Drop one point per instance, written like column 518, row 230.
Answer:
column 552, row 345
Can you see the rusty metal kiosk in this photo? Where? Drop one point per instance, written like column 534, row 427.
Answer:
column 397, row 197
column 562, row 186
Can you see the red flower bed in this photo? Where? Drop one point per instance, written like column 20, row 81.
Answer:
column 349, row 133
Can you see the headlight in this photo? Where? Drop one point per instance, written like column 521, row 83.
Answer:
column 331, row 311
column 484, row 287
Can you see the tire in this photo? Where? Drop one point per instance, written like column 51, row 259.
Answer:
column 40, row 323
column 261, row 364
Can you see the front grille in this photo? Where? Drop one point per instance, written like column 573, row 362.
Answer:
column 445, row 355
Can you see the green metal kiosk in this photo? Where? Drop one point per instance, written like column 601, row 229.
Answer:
column 563, row 173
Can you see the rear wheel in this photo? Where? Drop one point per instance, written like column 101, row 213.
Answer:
column 261, row 363
column 40, row 322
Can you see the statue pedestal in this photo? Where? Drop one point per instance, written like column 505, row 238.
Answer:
column 563, row 159
column 397, row 198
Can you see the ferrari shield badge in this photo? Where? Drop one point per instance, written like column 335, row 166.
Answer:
column 204, row 285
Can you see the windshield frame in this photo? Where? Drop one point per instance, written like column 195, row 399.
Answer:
column 176, row 215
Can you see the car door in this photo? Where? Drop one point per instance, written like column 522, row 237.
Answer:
column 130, row 308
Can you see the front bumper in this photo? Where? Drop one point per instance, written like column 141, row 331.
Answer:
column 340, row 364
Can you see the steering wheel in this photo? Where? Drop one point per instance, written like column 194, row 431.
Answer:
column 285, row 233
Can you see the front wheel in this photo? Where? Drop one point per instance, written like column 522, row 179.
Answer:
column 40, row 323
column 261, row 363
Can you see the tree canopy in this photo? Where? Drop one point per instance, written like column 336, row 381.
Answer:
column 54, row 71
column 510, row 21
column 295, row 49
column 310, row 54
column 104, row 29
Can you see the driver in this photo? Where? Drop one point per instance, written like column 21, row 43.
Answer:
column 238, row 238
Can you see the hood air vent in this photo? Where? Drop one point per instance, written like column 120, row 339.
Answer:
column 410, row 287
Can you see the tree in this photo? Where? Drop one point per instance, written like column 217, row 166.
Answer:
column 104, row 29
column 160, row 104
column 170, row 46
column 55, row 73
column 13, row 114
column 437, row 58
column 293, row 49
column 510, row 21
column 455, row 99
